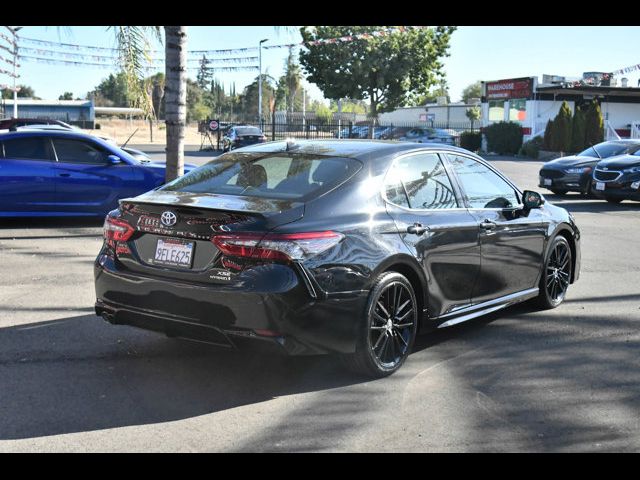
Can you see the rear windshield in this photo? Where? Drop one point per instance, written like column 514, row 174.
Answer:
column 248, row 131
column 273, row 175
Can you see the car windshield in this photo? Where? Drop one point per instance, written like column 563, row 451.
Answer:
column 279, row 175
column 248, row 131
column 607, row 149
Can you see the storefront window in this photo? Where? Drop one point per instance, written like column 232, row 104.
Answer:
column 496, row 110
column 518, row 109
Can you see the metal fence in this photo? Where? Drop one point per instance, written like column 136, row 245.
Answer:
column 313, row 129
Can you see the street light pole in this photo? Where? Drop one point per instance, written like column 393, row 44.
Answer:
column 15, row 62
column 260, row 80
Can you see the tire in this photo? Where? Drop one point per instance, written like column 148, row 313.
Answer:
column 613, row 200
column 556, row 274
column 560, row 192
column 384, row 338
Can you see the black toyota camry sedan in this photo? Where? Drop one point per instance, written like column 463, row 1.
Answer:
column 575, row 173
column 345, row 247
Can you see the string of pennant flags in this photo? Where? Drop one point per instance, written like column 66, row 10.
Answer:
column 55, row 61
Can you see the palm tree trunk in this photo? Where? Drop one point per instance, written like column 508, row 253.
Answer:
column 175, row 91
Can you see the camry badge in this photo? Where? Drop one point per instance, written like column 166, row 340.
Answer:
column 168, row 219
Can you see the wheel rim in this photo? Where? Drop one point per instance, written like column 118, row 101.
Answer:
column 392, row 324
column 558, row 272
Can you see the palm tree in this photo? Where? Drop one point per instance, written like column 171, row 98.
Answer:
column 175, row 90
column 134, row 49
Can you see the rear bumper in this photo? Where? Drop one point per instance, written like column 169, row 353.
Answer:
column 229, row 315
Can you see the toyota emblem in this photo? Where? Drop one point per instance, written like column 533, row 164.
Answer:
column 168, row 219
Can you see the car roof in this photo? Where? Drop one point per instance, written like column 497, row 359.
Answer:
column 48, row 132
column 358, row 149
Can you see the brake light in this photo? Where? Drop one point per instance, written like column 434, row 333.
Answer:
column 276, row 246
column 117, row 230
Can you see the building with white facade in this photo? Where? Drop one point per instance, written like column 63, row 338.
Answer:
column 532, row 104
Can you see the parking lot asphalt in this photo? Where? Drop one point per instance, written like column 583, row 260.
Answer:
column 519, row 380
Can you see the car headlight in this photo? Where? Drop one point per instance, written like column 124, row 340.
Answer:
column 578, row 170
column 632, row 170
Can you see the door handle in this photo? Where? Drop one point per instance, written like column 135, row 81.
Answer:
column 488, row 225
column 64, row 175
column 417, row 229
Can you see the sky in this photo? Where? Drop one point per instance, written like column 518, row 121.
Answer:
column 477, row 53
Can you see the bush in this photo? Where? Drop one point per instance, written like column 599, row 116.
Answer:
column 594, row 125
column 532, row 147
column 471, row 141
column 504, row 137
column 562, row 129
column 578, row 131
column 548, row 135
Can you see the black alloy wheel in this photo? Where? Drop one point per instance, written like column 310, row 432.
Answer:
column 389, row 330
column 556, row 275
column 559, row 192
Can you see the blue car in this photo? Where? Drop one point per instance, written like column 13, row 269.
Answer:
column 66, row 173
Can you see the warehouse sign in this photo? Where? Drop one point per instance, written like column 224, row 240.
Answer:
column 510, row 88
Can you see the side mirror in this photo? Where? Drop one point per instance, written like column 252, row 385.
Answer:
column 114, row 159
column 531, row 200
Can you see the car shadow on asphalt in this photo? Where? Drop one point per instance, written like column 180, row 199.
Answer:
column 81, row 374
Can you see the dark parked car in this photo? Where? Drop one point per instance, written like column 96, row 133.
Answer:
column 428, row 135
column 574, row 173
column 68, row 173
column 241, row 136
column 344, row 247
column 618, row 178
column 14, row 123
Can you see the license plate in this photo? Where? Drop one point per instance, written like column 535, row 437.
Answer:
column 174, row 252
column 547, row 181
column 600, row 186
column 635, row 185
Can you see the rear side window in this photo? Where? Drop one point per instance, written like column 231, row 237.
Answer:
column 420, row 182
column 248, row 131
column 31, row 148
column 77, row 151
column 277, row 176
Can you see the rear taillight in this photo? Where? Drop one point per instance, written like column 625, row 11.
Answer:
column 117, row 230
column 276, row 246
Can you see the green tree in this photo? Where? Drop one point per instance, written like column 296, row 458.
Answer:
column 349, row 106
column 578, row 130
column 473, row 114
column 24, row 92
column 66, row 96
column 472, row 91
column 204, row 73
column 594, row 125
column 248, row 99
column 548, row 136
column 113, row 91
column 386, row 70
column 561, row 139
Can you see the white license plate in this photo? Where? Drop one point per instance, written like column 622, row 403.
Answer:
column 547, row 181
column 174, row 252
column 635, row 185
column 600, row 186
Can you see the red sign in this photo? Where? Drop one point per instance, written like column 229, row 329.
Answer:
column 511, row 88
column 213, row 125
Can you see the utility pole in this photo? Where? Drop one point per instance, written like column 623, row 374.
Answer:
column 339, row 118
column 260, row 80
column 15, row 75
column 304, row 107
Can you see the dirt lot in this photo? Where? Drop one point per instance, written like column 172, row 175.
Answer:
column 120, row 130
